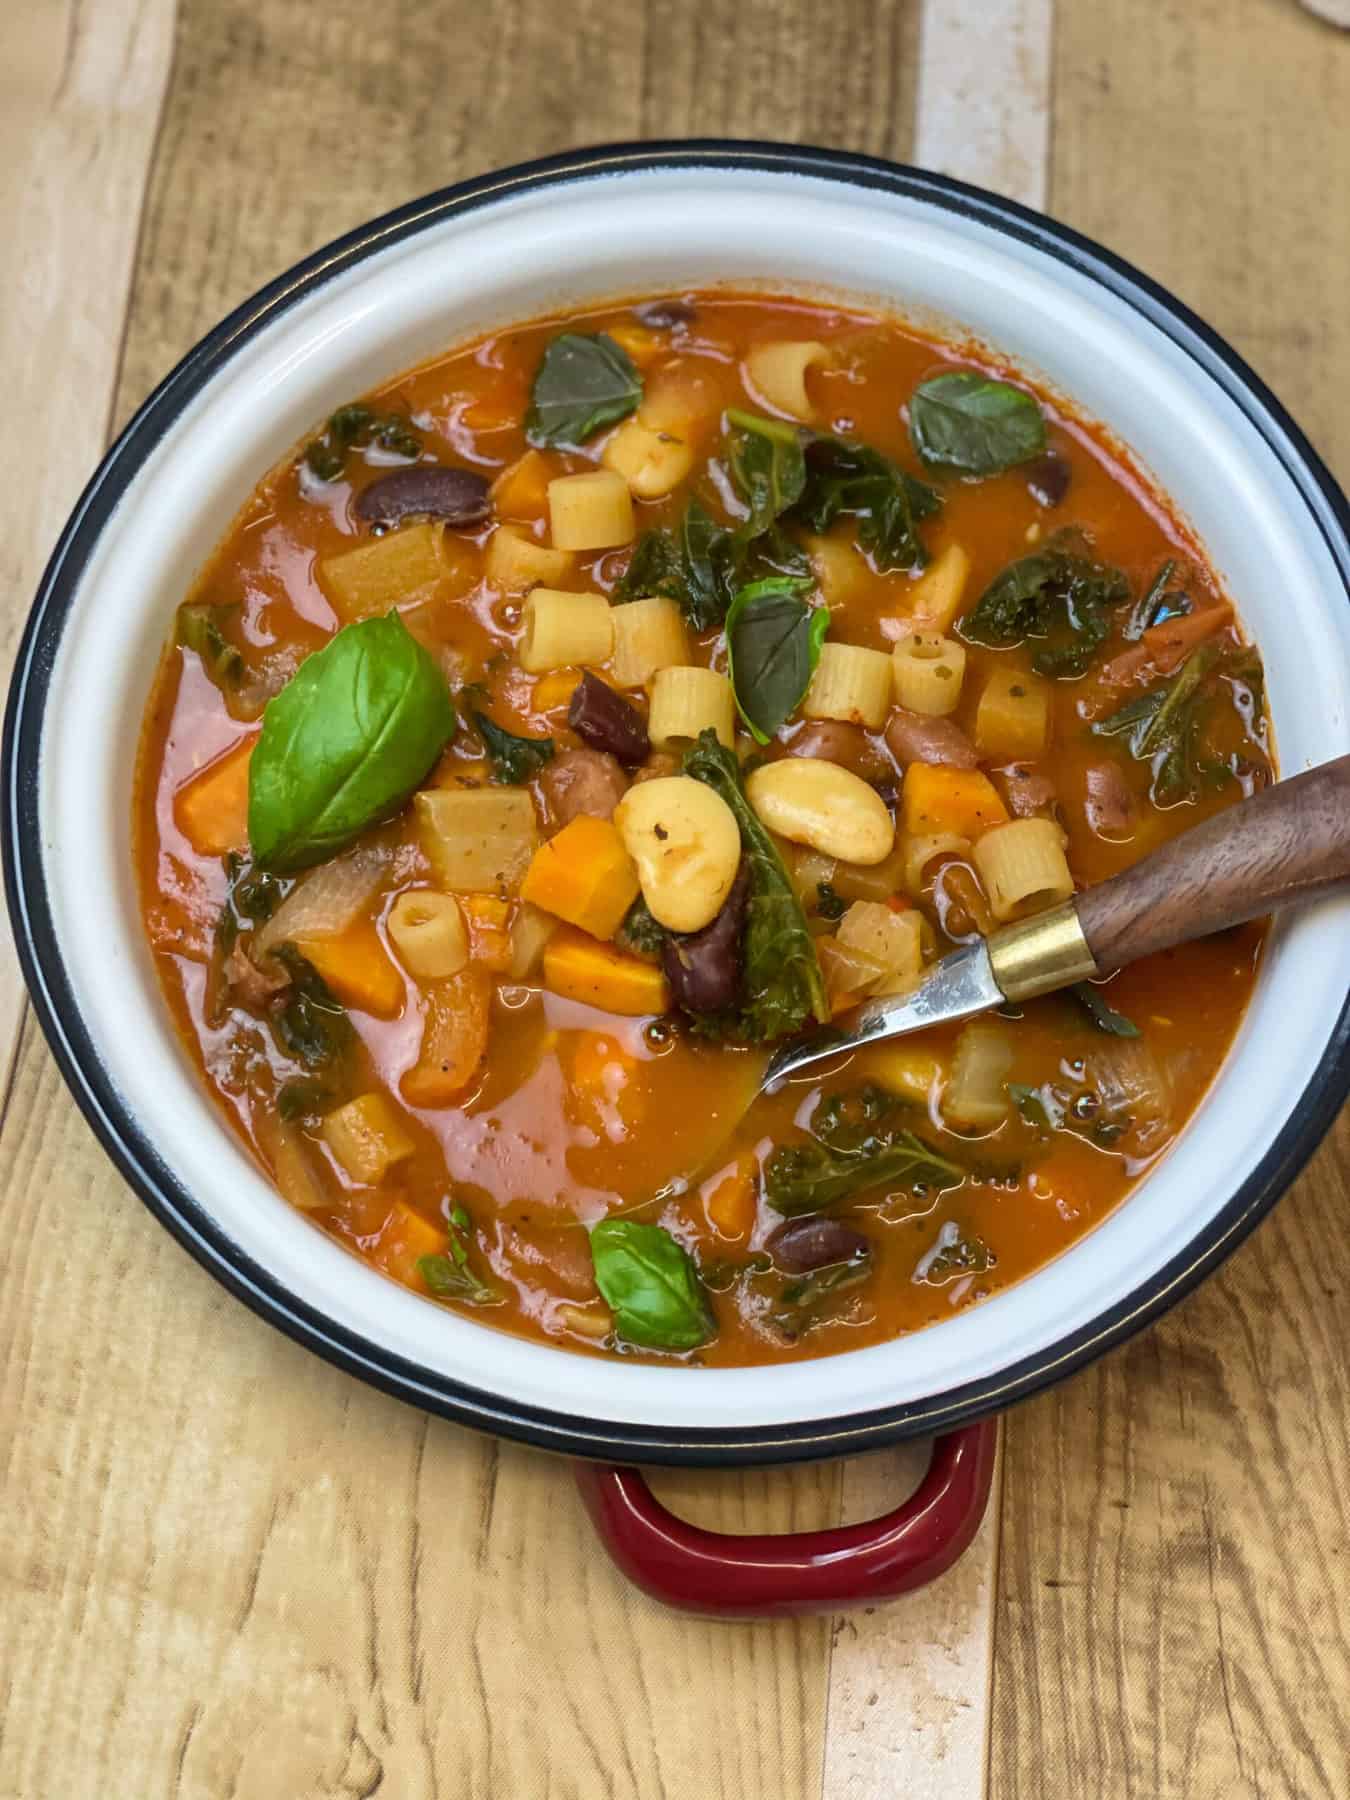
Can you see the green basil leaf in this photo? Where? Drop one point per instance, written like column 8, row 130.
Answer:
column 514, row 759
column 344, row 743
column 769, row 468
column 1060, row 594
column 971, row 423
column 584, row 382
column 651, row 1285
column 781, row 984
column 844, row 479
column 773, row 646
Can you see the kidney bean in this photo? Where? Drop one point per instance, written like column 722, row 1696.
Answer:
column 1048, row 478
column 459, row 496
column 581, row 781
column 1026, row 792
column 704, row 967
column 814, row 1243
column 915, row 737
column 665, row 315
column 834, row 741
column 606, row 721
column 1109, row 804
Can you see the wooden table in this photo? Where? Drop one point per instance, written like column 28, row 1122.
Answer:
column 227, row 1570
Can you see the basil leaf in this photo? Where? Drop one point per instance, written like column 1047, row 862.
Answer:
column 584, row 382
column 781, row 984
column 969, row 422
column 651, row 1285
column 1060, row 594
column 773, row 646
column 769, row 469
column 1100, row 1010
column 344, row 743
column 804, row 1303
column 514, row 758
column 848, row 479
column 303, row 1098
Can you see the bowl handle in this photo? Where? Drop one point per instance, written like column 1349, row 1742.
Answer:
column 768, row 1576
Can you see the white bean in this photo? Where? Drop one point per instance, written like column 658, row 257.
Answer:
column 687, row 847
column 833, row 810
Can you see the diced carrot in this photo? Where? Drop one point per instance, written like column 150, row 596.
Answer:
column 578, row 968
column 521, row 491
column 729, row 1197
column 356, row 965
column 488, row 919
column 454, row 1038
column 367, row 1138
column 407, row 1237
column 1162, row 647
column 583, row 875
column 642, row 344
column 937, row 798
column 905, row 1069
column 604, row 1081
column 212, row 808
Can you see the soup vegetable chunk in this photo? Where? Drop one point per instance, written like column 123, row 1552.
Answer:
column 565, row 725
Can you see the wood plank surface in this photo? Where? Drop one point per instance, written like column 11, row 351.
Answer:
column 1176, row 1526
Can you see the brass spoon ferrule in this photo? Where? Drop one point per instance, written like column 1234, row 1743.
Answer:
column 1039, row 954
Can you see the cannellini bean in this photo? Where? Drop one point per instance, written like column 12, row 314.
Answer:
column 687, row 847
column 820, row 804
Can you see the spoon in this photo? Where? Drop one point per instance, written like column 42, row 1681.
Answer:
column 1288, row 844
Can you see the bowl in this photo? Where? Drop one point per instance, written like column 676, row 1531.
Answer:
column 599, row 224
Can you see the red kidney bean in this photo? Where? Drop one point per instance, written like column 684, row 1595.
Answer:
column 581, row 781
column 1109, row 804
column 459, row 496
column 814, row 1243
column 1048, row 478
column 606, row 721
column 832, row 740
column 915, row 737
column 665, row 315
column 704, row 967
column 1026, row 791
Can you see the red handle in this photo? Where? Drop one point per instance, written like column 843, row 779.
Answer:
column 764, row 1576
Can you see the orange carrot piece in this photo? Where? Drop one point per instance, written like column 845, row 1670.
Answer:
column 454, row 1039
column 356, row 965
column 938, row 797
column 1162, row 648
column 212, row 808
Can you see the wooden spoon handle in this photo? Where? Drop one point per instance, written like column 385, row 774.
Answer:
column 1291, row 842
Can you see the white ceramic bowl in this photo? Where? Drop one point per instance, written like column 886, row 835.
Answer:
column 596, row 225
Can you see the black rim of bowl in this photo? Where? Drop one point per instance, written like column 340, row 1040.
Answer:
column 134, row 1153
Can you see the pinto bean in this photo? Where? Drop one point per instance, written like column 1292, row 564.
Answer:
column 834, row 741
column 704, row 967
column 917, row 737
column 582, row 781
column 814, row 1243
column 608, row 721
column 1109, row 804
column 1027, row 793
column 427, row 491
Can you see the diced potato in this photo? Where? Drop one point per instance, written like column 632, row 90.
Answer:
column 357, row 968
column 584, row 875
column 592, row 511
column 384, row 572
column 478, row 840
column 935, row 598
column 906, row 1069
column 840, row 570
column 576, row 967
column 454, row 1039
column 367, row 1138
column 531, row 929
column 212, row 809
column 516, row 561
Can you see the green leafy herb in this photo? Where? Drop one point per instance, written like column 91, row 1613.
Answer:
column 856, row 1144
column 1103, row 1015
column 1164, row 728
column 954, row 1254
column 254, row 895
column 344, row 743
column 302, row 1098
column 829, row 905
column 773, row 646
column 769, row 469
column 354, row 427
column 583, row 383
column 781, row 983
column 514, row 759
column 201, row 628
column 804, row 1303
column 1031, row 1104
column 698, row 564
column 310, row 1023
column 641, row 932
column 974, row 424
column 651, row 1285
column 1159, row 602
column 848, row 479
column 452, row 1276
column 1060, row 594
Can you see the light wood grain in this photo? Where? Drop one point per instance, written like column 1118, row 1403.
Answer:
column 80, row 93
column 1176, row 1530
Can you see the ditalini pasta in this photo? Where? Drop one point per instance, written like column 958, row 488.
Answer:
column 574, row 719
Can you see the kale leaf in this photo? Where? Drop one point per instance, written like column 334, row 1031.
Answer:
column 514, row 758
column 855, row 1145
column 354, row 427
column 201, row 628
column 310, row 1022
column 697, row 564
column 1060, row 594
column 769, row 468
column 1165, row 727
column 845, row 479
